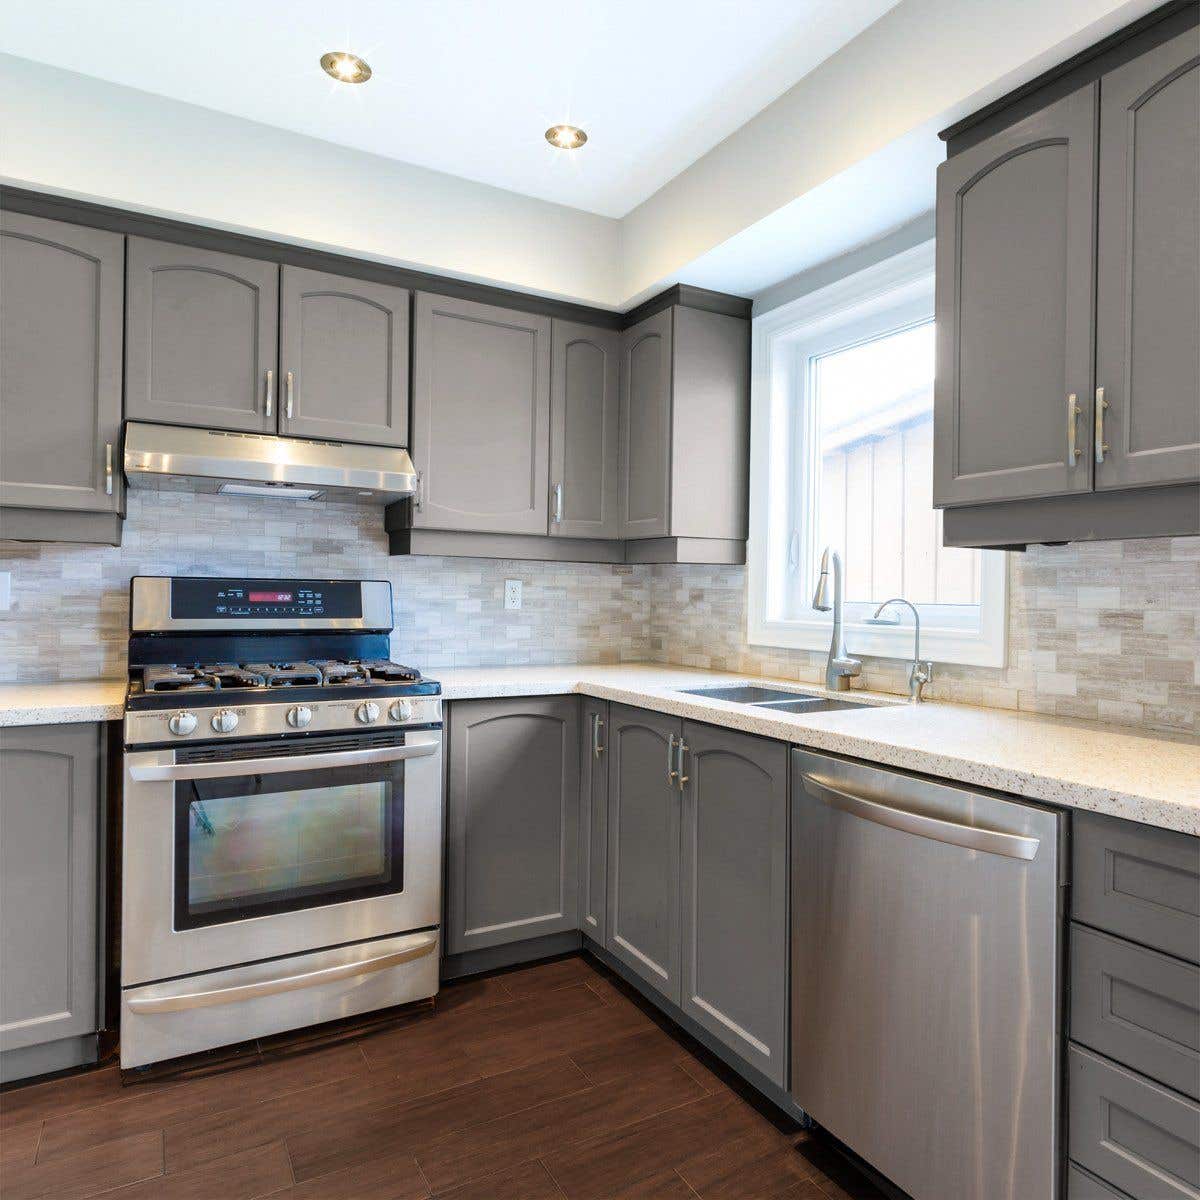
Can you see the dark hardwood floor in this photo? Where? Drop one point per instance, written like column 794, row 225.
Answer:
column 551, row 1082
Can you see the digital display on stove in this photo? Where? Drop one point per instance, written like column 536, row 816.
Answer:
column 264, row 599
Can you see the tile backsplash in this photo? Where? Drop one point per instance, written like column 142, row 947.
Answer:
column 1107, row 630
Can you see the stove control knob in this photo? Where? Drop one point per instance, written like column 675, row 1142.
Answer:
column 299, row 716
column 367, row 712
column 182, row 723
column 225, row 720
column 401, row 710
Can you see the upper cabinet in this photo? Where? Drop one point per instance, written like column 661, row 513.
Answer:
column 646, row 427
column 1148, row 281
column 200, row 337
column 481, row 417
column 585, row 371
column 1067, row 402
column 1015, row 265
column 343, row 358
column 60, row 371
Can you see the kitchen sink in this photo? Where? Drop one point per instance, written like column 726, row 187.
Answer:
column 810, row 704
column 773, row 698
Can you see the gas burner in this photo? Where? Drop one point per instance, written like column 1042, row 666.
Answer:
column 230, row 675
column 338, row 672
column 175, row 679
column 390, row 672
column 288, row 674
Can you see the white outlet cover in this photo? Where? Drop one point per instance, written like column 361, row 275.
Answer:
column 512, row 593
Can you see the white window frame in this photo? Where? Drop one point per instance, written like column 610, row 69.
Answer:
column 888, row 297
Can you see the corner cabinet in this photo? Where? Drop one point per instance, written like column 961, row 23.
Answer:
column 481, row 417
column 512, row 816
column 63, row 290
column 1067, row 399
column 49, row 897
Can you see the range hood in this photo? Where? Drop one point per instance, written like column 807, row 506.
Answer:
column 260, row 464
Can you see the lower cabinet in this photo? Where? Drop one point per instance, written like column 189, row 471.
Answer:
column 49, row 897
column 697, row 875
column 512, row 820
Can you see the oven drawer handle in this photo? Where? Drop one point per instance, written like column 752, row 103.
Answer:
column 153, row 772
column 420, row 945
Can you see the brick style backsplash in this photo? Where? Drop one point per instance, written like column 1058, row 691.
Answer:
column 1102, row 630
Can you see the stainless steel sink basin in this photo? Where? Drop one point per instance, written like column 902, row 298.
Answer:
column 811, row 704
column 773, row 698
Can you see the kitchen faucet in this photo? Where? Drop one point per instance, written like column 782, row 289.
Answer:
column 840, row 668
column 919, row 673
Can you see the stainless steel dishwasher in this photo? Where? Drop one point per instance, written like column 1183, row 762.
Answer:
column 926, row 978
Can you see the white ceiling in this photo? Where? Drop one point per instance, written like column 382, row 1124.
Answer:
column 466, row 86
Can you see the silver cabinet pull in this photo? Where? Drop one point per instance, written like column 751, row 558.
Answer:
column 291, row 388
column 970, row 837
column 597, row 725
column 108, row 468
column 672, row 774
column 269, row 405
column 1101, row 406
column 679, row 773
column 558, row 509
column 1073, row 451
column 418, row 490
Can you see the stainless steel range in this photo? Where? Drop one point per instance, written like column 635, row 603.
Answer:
column 282, row 829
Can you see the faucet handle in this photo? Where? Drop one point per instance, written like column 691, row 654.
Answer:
column 919, row 674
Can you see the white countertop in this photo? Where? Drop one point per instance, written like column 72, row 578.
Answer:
column 1079, row 764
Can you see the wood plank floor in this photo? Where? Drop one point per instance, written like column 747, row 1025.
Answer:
column 550, row 1082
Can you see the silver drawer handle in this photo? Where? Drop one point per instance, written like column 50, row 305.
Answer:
column 108, row 469
column 421, row 945
column 159, row 772
column 597, row 725
column 1101, row 408
column 1073, row 410
column 991, row 841
column 682, row 751
column 672, row 774
column 269, row 405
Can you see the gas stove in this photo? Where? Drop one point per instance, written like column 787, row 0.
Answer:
column 221, row 658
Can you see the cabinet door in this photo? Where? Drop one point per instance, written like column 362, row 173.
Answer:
column 645, row 477
column 481, row 417
column 343, row 358
column 1148, row 275
column 49, row 893
column 60, row 371
column 593, row 819
column 584, row 404
column 512, row 807
column 735, row 893
column 200, row 337
column 643, row 846
column 1015, row 268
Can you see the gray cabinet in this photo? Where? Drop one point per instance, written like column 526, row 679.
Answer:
column 60, row 371
column 49, row 897
column 643, row 846
column 200, row 337
column 1015, row 271
column 512, row 811
column 584, row 403
column 1148, row 280
column 734, row 892
column 343, row 358
column 593, row 819
column 646, row 427
column 481, row 417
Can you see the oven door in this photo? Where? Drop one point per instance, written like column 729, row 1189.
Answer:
column 239, row 852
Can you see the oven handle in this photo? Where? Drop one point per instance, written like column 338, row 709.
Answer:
column 420, row 944
column 155, row 772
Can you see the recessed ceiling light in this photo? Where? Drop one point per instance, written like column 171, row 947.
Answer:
column 345, row 67
column 565, row 137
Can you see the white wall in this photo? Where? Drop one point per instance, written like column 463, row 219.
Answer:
column 69, row 133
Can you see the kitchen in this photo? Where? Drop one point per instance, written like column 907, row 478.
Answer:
column 641, row 676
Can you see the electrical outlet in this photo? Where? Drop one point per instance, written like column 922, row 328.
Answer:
column 512, row 593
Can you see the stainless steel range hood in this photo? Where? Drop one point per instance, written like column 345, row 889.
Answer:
column 259, row 464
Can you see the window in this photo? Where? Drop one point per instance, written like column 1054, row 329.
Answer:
column 842, row 456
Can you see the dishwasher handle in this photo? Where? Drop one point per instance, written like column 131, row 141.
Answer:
column 970, row 837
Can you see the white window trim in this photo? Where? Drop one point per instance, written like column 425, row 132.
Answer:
column 889, row 295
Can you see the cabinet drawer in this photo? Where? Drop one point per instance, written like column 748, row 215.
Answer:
column 1141, row 1137
column 1082, row 1186
column 1137, row 1006
column 1137, row 881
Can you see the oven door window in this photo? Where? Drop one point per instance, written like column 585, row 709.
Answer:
column 255, row 845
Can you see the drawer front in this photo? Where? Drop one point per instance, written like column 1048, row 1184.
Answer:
column 1137, row 881
column 1082, row 1186
column 1136, row 1135
column 1137, row 1006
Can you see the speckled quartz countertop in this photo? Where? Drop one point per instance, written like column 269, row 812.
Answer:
column 1079, row 764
